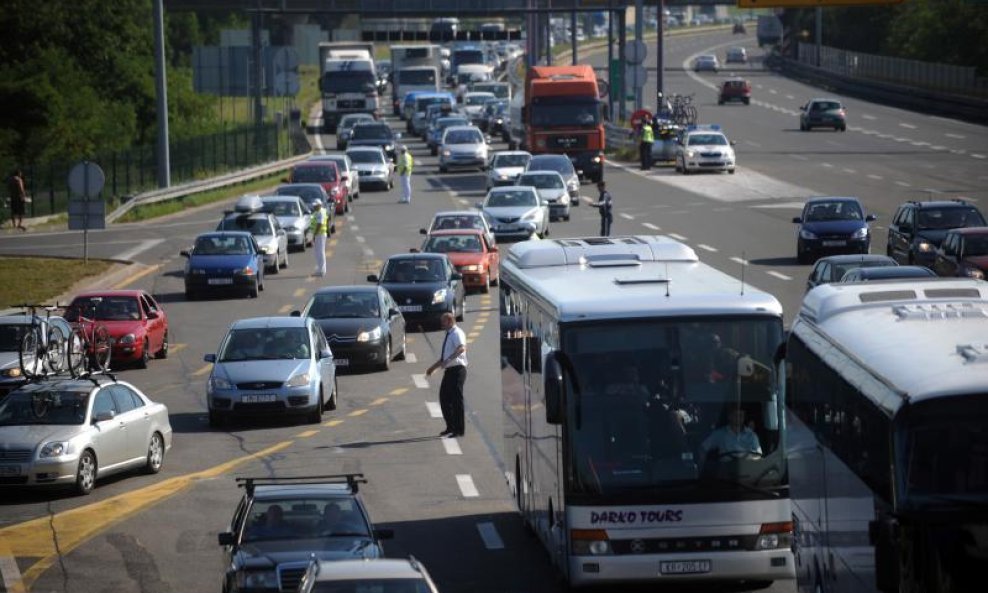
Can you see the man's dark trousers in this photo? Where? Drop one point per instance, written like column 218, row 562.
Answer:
column 451, row 398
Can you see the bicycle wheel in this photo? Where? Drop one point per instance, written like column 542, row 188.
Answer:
column 101, row 349
column 55, row 350
column 75, row 352
column 31, row 364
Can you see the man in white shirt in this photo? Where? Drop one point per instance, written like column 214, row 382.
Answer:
column 453, row 359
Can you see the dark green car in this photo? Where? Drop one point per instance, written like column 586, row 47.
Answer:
column 822, row 113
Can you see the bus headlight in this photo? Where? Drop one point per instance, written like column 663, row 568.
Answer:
column 774, row 536
column 590, row 542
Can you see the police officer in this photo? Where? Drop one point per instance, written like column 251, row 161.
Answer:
column 405, row 164
column 605, row 205
column 319, row 224
column 645, row 147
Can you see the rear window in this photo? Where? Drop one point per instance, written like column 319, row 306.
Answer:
column 735, row 84
column 313, row 174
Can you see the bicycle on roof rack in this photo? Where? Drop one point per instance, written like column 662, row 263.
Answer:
column 43, row 345
column 90, row 348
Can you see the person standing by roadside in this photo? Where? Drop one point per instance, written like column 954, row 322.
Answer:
column 405, row 164
column 18, row 199
column 319, row 223
column 605, row 204
column 647, row 139
column 453, row 358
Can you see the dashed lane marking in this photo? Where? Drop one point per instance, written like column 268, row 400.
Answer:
column 903, row 184
column 488, row 533
column 778, row 275
column 399, row 391
column 651, row 226
column 203, row 371
column 379, row 401
column 306, row 434
column 738, row 260
column 173, row 348
column 875, row 177
column 957, row 136
column 298, row 292
column 332, row 423
column 434, row 410
column 285, row 309
column 360, row 239
column 707, row 248
column 678, row 237
column 467, row 488
column 410, row 358
column 420, row 381
column 907, row 126
column 868, row 117
column 452, row 447
column 626, row 216
column 356, row 413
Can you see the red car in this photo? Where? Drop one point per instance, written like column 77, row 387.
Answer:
column 326, row 174
column 470, row 251
column 734, row 89
column 137, row 325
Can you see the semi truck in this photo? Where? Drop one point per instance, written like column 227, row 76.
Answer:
column 560, row 112
column 348, row 81
column 414, row 68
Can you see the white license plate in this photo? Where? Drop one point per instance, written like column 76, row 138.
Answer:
column 342, row 362
column 834, row 243
column 220, row 281
column 259, row 398
column 684, row 567
column 10, row 470
column 410, row 308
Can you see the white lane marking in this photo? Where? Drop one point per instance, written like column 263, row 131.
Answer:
column 850, row 171
column 368, row 252
column 938, row 147
column 466, row 486
column 360, row 239
column 773, row 91
column 488, row 533
column 778, row 275
column 452, row 447
column 903, row 184
column 798, row 157
column 354, row 227
column 827, row 165
column 144, row 246
column 420, row 381
column 958, row 136
column 753, row 143
column 869, row 117
column 875, row 177
column 796, row 205
column 678, row 237
column 350, row 218
column 790, row 97
column 434, row 410
column 626, row 216
column 978, row 156
column 649, row 225
column 11, row 575
column 738, row 260
column 464, row 202
column 907, row 126
column 745, row 186
column 410, row 358
column 707, row 248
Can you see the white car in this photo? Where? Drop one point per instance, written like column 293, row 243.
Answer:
column 374, row 167
column 551, row 188
column 561, row 164
column 473, row 105
column 294, row 216
column 706, row 63
column 506, row 166
column 459, row 219
column 705, row 150
column 516, row 212
column 462, row 147
column 351, row 178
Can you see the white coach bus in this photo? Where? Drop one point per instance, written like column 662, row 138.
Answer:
column 623, row 361
column 888, row 436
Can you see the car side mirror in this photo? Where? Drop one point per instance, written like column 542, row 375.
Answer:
column 209, row 358
column 397, row 135
column 225, row 538
column 296, row 313
column 456, row 276
column 185, row 253
column 393, row 312
column 734, row 142
column 384, row 534
column 544, row 202
column 153, row 315
column 871, row 218
column 413, row 250
column 479, row 205
column 372, row 278
column 345, row 177
column 104, row 416
column 494, row 248
column 797, row 220
column 423, row 232
column 325, row 353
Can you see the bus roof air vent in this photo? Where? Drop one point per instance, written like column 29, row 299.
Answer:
column 973, row 352
column 632, row 280
column 931, row 312
column 605, row 260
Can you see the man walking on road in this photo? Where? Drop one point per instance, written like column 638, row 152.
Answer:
column 647, row 139
column 605, row 205
column 18, row 199
column 453, row 358
column 405, row 164
column 319, row 223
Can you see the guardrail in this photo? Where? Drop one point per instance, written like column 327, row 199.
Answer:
column 618, row 136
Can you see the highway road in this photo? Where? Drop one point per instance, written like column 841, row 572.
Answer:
column 445, row 499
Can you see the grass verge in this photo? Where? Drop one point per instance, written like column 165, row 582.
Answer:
column 41, row 279
column 179, row 204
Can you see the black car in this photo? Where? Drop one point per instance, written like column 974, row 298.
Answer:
column 424, row 285
column 918, row 228
column 281, row 524
column 830, row 226
column 963, row 253
column 831, row 269
column 823, row 113
column 362, row 324
column 377, row 133
column 888, row 273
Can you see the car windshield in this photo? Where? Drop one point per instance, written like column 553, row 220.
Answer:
column 511, row 199
column 464, row 137
column 707, row 140
column 414, row 270
column 310, row 194
column 255, row 226
column 541, row 181
column 366, row 157
column 344, row 304
column 340, row 161
column 478, row 99
column 458, row 222
column 108, row 308
column 948, row 218
column 222, row 246
column 365, row 132
column 283, row 208
column 314, row 174
column 975, row 245
column 265, row 343
column 829, row 211
column 498, row 90
column 54, row 407
column 422, row 103
column 563, row 166
column 511, row 160
column 372, row 585
column 304, row 518
column 11, row 336
column 348, row 121
column 453, row 244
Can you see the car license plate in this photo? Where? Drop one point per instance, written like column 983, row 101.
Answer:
column 834, row 243
column 259, row 398
column 10, row 470
column 342, row 362
column 410, row 308
column 684, row 567
column 220, row 281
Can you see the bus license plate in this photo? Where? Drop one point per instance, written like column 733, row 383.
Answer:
column 10, row 470
column 260, row 398
column 685, row 567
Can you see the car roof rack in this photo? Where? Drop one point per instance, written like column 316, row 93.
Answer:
column 353, row 481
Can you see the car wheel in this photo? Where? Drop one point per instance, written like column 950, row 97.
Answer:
column 315, row 416
column 401, row 353
column 386, row 362
column 276, row 267
column 487, row 283
column 496, row 280
column 215, row 420
column 190, row 294
column 85, row 475
column 720, row 101
column 433, row 151
column 254, row 290
column 286, row 259
column 803, row 258
column 747, row 101
column 678, row 168
column 731, row 171
column 463, row 310
column 163, row 352
column 142, row 362
column 156, row 454
column 843, row 128
column 332, row 402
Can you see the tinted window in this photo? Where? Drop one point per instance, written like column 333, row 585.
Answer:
column 541, row 181
column 463, row 137
column 343, row 304
column 975, row 245
column 11, row 336
column 124, row 399
column 254, row 226
column 105, row 308
column 283, row 208
column 21, row 408
column 707, row 139
column 949, row 218
column 560, row 165
column 453, row 244
column 414, row 270
column 315, row 174
column 222, row 246
column 511, row 160
column 265, row 344
column 837, row 210
column 375, row 132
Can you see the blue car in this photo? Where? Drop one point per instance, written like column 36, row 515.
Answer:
column 270, row 366
column 831, row 226
column 224, row 261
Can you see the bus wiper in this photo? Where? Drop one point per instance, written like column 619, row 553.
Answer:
column 748, row 487
column 957, row 500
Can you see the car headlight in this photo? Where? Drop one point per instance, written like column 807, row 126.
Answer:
column 55, row 449
column 564, row 199
column 270, row 249
column 924, row 247
column 258, row 579
column 248, row 271
column 299, row 380
column 292, row 229
column 128, row 339
column 573, row 185
column 365, row 336
column 12, row 373
column 220, row 383
column 334, row 192
column 499, row 121
column 861, row 233
column 447, row 153
column 598, row 158
column 439, row 296
column 531, row 215
column 389, row 147
column 804, row 234
column 591, row 547
column 472, row 268
column 974, row 273
column 690, row 154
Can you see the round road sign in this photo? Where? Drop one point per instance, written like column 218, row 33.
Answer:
column 86, row 179
column 635, row 52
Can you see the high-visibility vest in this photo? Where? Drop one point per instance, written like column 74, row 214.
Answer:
column 648, row 134
column 319, row 222
column 405, row 163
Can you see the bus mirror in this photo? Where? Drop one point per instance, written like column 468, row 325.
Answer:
column 553, row 374
column 780, row 352
column 746, row 367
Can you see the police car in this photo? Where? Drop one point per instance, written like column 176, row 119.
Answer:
column 704, row 148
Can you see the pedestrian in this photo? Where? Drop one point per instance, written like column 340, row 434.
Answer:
column 453, row 358
column 647, row 139
column 405, row 164
column 605, row 205
column 18, row 199
column 319, row 224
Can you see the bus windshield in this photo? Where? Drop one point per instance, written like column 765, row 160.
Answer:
column 672, row 403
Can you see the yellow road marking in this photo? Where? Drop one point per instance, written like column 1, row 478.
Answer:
column 360, row 412
column 379, row 401
column 306, row 434
column 332, row 423
column 298, row 292
column 410, row 339
column 310, row 279
column 398, row 391
column 285, row 309
column 332, row 242
column 135, row 277
column 329, row 253
column 473, row 335
column 203, row 370
column 34, row 538
column 173, row 348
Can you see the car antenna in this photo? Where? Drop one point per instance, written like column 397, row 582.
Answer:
column 744, row 264
column 667, row 282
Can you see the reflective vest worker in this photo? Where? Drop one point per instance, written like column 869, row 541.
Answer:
column 405, row 165
column 645, row 148
column 319, row 225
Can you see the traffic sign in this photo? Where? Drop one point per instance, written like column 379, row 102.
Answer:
column 86, row 179
column 635, row 52
column 87, row 215
column 809, row 3
column 637, row 75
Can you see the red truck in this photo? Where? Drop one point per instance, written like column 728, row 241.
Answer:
column 561, row 113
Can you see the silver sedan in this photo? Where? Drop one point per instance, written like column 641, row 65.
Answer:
column 73, row 432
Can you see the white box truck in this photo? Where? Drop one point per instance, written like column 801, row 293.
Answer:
column 769, row 30
column 348, row 81
column 414, row 68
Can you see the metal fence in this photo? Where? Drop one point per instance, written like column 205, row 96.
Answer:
column 961, row 80
column 134, row 171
